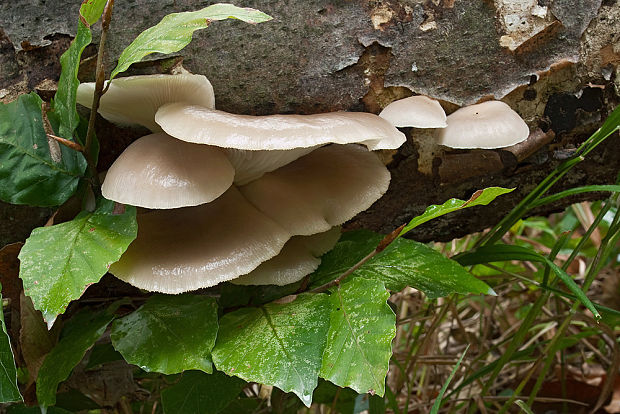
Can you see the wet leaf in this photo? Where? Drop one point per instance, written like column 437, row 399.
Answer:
column 359, row 343
column 59, row 262
column 9, row 391
column 402, row 263
column 278, row 344
column 64, row 102
column 175, row 30
column 479, row 198
column 28, row 172
column 169, row 334
column 79, row 334
column 200, row 393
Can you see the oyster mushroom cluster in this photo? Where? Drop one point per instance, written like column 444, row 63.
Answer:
column 250, row 199
column 487, row 125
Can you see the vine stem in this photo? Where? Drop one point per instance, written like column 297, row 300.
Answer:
column 99, row 81
column 387, row 240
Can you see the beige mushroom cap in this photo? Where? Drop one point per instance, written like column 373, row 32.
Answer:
column 320, row 190
column 198, row 247
column 299, row 257
column 491, row 124
column 158, row 171
column 202, row 125
column 416, row 111
column 136, row 99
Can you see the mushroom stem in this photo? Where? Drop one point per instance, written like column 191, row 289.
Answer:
column 100, row 78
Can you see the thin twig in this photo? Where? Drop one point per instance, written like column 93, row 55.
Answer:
column 99, row 80
column 67, row 143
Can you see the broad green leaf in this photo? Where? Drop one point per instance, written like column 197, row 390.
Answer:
column 79, row 334
column 234, row 296
column 200, row 393
column 175, row 30
column 9, row 392
column 65, row 99
column 169, row 334
column 359, row 343
column 403, row 263
column 480, row 198
column 59, row 262
column 278, row 344
column 503, row 252
column 30, row 173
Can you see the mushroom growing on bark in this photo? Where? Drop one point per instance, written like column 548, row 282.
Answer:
column 416, row 111
column 294, row 175
column 135, row 99
column 491, row 124
column 158, row 171
column 299, row 257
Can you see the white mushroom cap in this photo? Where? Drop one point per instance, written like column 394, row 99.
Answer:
column 320, row 190
column 491, row 124
column 299, row 257
column 202, row 125
column 416, row 111
column 251, row 165
column 158, row 171
column 197, row 247
column 136, row 99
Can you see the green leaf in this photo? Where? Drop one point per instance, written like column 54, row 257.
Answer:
column 359, row 342
column 64, row 102
column 9, row 392
column 480, row 198
column 402, row 263
column 278, row 344
column 59, row 262
column 504, row 252
column 29, row 173
column 200, row 393
column 79, row 334
column 175, row 30
column 169, row 334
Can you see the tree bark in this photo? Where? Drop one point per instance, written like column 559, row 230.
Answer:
column 555, row 62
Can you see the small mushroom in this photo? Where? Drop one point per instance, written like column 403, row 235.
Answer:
column 491, row 124
column 202, row 125
column 416, row 111
column 197, row 247
column 136, row 99
column 320, row 190
column 158, row 171
column 299, row 257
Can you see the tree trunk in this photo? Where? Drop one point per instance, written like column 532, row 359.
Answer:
column 555, row 62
